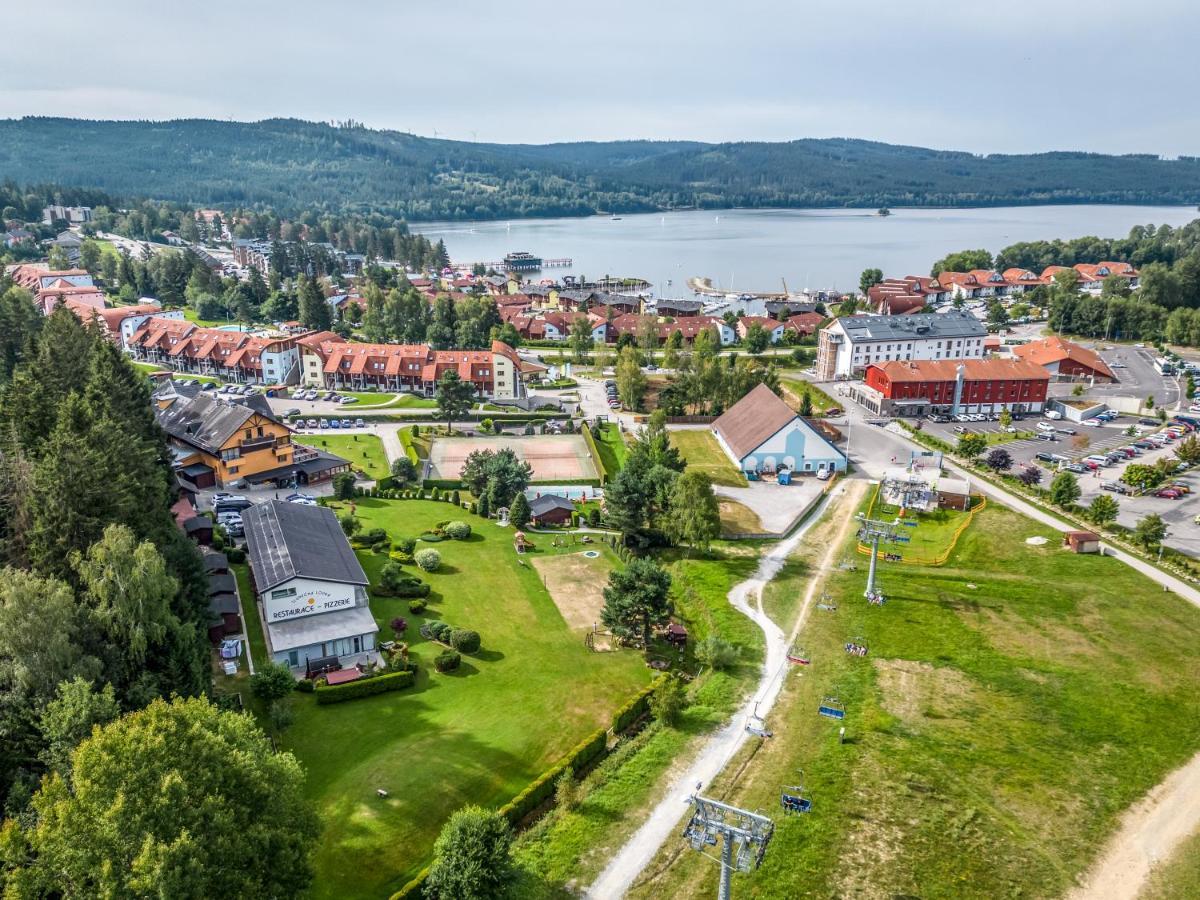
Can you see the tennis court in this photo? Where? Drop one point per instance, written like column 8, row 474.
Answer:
column 554, row 457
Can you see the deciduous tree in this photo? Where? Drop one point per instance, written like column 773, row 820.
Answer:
column 694, row 515
column 471, row 857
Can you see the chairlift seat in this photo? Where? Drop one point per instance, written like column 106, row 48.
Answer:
column 831, row 712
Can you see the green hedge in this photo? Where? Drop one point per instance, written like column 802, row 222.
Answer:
column 542, row 787
column 413, row 890
column 588, row 439
column 636, row 707
column 367, row 687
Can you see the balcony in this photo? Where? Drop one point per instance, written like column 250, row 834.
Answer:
column 252, row 445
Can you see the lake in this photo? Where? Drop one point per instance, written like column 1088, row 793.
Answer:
column 752, row 250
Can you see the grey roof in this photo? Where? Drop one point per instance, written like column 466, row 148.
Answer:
column 222, row 584
column 215, row 561
column 225, row 603
column 305, row 631
column 951, row 324
column 197, row 524
column 539, row 506
column 680, row 305
column 287, row 540
column 207, row 422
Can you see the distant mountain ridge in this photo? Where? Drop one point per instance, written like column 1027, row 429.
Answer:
column 292, row 165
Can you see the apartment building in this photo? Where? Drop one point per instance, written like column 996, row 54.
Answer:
column 229, row 355
column 851, row 343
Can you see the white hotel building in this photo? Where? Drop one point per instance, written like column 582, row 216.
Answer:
column 851, row 343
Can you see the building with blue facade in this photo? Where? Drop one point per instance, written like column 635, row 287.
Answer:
column 762, row 434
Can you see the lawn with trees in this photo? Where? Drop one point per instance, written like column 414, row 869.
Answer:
column 703, row 454
column 1071, row 674
column 362, row 451
column 477, row 735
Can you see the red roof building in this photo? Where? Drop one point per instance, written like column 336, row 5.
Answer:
column 917, row 387
column 1065, row 358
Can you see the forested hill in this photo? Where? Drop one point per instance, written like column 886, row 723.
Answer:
column 289, row 165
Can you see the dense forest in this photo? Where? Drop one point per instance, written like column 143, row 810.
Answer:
column 292, row 166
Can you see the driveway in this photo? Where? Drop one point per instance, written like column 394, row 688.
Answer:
column 777, row 506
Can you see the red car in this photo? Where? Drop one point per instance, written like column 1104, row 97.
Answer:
column 1169, row 494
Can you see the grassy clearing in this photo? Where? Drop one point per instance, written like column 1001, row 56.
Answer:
column 795, row 388
column 477, row 736
column 1178, row 878
column 1014, row 703
column 737, row 518
column 929, row 539
column 569, row 847
column 363, row 451
column 703, row 453
column 611, row 445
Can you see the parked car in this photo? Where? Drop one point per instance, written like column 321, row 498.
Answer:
column 1168, row 494
column 1153, row 422
column 349, row 400
column 236, row 504
column 346, row 423
column 1045, row 427
column 208, row 386
column 1092, row 422
column 311, row 423
column 335, row 423
column 1047, row 436
column 324, row 423
column 1053, row 414
column 328, row 396
column 1044, row 457
column 1075, row 467
column 359, row 423
column 1090, row 464
column 1066, row 431
column 292, row 412
column 1115, row 486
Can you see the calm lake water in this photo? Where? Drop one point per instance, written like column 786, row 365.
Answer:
column 752, row 250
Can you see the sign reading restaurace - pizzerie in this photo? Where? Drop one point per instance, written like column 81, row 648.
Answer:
column 305, row 603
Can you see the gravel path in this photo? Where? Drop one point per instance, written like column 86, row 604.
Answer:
column 663, row 820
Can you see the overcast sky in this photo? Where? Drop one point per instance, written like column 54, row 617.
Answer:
column 1023, row 75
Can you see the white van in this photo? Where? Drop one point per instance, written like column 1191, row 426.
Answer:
column 1053, row 414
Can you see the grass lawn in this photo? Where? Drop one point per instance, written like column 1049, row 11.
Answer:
column 737, row 518
column 563, row 847
column 192, row 316
column 363, row 451
column 610, row 444
column 477, row 736
column 1015, row 701
column 795, row 388
column 929, row 540
column 368, row 399
column 703, row 453
column 1177, row 878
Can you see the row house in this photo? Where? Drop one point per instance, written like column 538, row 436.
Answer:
column 599, row 301
column 120, row 323
column 900, row 296
column 554, row 325
column 330, row 362
column 688, row 326
column 978, row 284
column 229, row 355
column 36, row 278
column 773, row 327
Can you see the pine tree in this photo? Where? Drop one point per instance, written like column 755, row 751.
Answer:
column 314, row 310
column 441, row 332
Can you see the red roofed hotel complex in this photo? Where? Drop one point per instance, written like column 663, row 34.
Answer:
column 1065, row 358
column 917, row 387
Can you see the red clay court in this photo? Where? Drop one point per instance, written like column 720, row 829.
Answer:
column 554, row 457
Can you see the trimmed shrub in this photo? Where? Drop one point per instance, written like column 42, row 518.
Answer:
column 373, row 537
column 428, row 559
column 637, row 707
column 417, row 607
column 306, row 685
column 464, row 640
column 460, row 531
column 365, row 687
column 542, row 788
column 447, row 661
column 454, row 498
column 235, row 555
column 431, row 629
column 405, row 544
column 415, row 889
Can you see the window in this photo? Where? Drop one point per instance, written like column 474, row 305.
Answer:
column 232, row 470
column 227, row 455
column 283, row 592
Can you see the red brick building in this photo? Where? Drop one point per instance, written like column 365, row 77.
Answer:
column 917, row 387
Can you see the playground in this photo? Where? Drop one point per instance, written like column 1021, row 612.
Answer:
column 554, row 457
column 1010, row 657
column 576, row 583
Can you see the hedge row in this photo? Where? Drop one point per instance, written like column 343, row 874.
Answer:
column 414, row 889
column 637, row 707
column 590, row 440
column 367, row 687
column 543, row 786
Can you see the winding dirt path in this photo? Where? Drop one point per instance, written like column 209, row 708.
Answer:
column 663, row 820
column 1150, row 831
